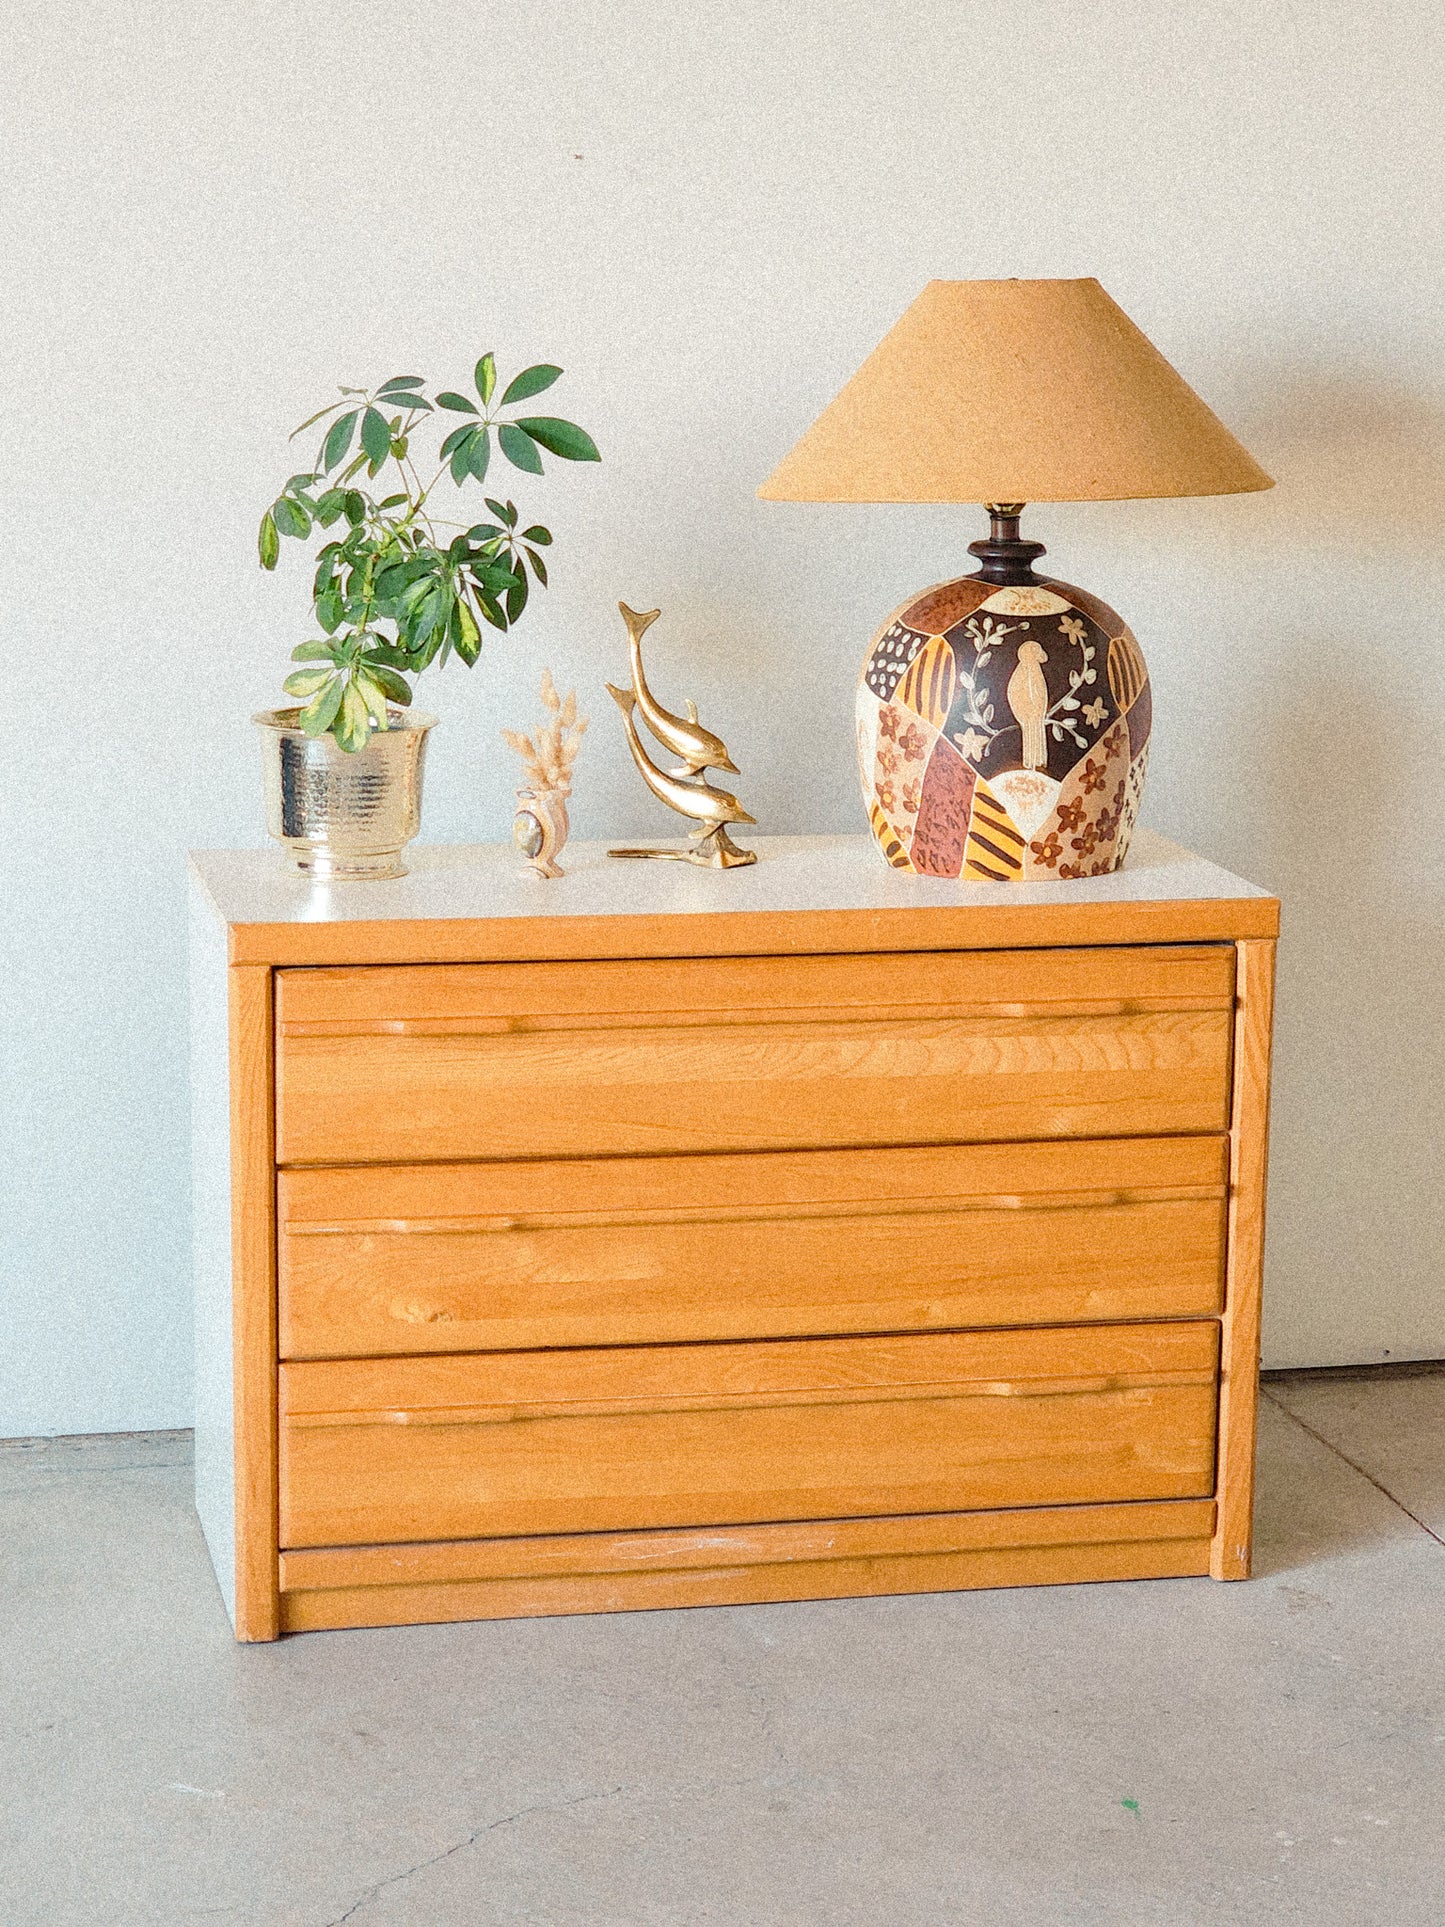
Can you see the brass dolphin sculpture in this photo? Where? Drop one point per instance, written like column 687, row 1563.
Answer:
column 710, row 808
column 683, row 735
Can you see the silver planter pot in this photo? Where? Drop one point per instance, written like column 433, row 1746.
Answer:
column 344, row 817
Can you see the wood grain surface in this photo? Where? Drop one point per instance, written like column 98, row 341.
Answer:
column 568, row 1441
column 1232, row 1552
column 475, row 1257
column 829, row 1559
column 253, row 1274
column 944, row 924
column 737, row 1054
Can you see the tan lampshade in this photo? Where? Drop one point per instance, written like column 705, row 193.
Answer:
column 1014, row 391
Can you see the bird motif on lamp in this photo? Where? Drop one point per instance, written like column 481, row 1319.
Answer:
column 1003, row 718
column 1028, row 698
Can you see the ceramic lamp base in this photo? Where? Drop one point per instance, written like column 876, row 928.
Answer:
column 1003, row 730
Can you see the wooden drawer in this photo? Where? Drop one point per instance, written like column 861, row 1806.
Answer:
column 608, row 1572
column 448, row 1061
column 480, row 1257
column 383, row 1450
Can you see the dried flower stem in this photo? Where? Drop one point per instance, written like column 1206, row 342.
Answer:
column 548, row 757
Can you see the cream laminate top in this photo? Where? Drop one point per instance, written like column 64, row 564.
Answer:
column 838, row 886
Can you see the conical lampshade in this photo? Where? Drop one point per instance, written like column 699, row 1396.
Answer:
column 1014, row 391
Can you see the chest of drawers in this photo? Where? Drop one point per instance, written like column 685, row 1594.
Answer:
column 655, row 1237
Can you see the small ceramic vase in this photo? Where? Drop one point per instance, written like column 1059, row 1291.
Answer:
column 539, row 829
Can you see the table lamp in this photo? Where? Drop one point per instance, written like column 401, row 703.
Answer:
column 1003, row 718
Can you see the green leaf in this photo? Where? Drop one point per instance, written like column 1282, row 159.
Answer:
column 517, row 598
column 456, row 438
column 314, row 652
column 566, row 439
column 409, row 610
column 289, row 517
column 431, row 611
column 338, row 440
column 449, row 398
column 393, row 501
column 398, row 447
column 329, row 610
column 353, row 725
column 519, row 450
column 320, row 713
column 483, row 532
column 373, row 695
column 486, row 377
column 311, row 420
column 397, row 579
column 389, row 682
column 405, row 381
column 375, row 437
column 542, row 537
column 492, row 610
column 419, row 568
column 395, row 400
column 539, row 567
column 530, row 382
column 306, row 682
column 466, row 635
column 354, row 503
column 386, row 653
column 496, row 579
column 355, row 468
column 388, row 585
column 507, row 513
column 267, row 543
column 479, row 451
column 295, row 483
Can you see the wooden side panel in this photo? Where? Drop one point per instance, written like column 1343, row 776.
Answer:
column 624, row 1572
column 740, row 1054
column 478, row 1257
column 539, row 1442
column 1232, row 1551
column 253, row 1181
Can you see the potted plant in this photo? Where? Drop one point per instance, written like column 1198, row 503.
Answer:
column 396, row 589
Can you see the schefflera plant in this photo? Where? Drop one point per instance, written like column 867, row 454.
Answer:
column 399, row 590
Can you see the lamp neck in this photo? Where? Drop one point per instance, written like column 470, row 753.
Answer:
column 1005, row 558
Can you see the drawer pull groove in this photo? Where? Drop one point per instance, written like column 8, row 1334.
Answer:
column 655, row 1406
column 582, row 1020
column 942, row 1207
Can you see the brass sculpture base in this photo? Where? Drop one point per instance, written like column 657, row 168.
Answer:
column 716, row 851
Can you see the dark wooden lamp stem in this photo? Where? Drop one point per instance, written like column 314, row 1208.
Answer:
column 1005, row 558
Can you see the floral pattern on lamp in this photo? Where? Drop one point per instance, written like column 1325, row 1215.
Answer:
column 1003, row 733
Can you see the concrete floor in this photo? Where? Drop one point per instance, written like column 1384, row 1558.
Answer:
column 1174, row 1752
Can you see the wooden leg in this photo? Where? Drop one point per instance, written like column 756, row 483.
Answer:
column 253, row 1270
column 1230, row 1553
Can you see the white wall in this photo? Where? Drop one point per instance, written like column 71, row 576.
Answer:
column 210, row 215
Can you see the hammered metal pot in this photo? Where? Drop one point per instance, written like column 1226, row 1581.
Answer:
column 343, row 817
